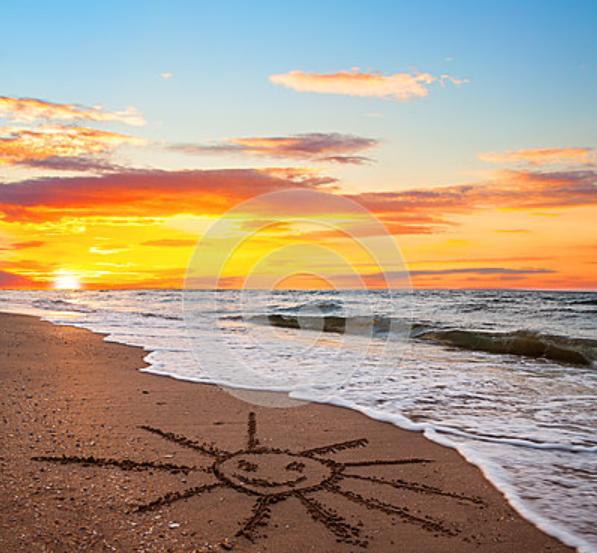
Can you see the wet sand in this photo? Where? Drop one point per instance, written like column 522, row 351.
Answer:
column 97, row 456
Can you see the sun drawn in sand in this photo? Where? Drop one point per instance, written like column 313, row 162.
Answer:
column 272, row 475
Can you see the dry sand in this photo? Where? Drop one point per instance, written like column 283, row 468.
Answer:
column 155, row 464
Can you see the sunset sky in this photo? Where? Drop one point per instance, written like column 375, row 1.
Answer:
column 468, row 128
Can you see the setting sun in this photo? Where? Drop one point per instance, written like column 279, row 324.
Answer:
column 66, row 281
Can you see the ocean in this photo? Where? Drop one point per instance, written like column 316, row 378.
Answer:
column 507, row 377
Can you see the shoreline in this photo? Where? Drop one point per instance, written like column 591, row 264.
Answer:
column 70, row 392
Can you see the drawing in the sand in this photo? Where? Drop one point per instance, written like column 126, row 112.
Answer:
column 273, row 475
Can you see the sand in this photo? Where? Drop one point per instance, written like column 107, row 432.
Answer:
column 97, row 456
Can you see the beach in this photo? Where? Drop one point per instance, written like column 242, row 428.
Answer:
column 98, row 456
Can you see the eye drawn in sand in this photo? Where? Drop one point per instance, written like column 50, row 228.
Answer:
column 271, row 476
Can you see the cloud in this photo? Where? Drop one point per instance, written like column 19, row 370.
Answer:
column 23, row 245
column 142, row 193
column 425, row 211
column 59, row 146
column 170, row 243
column 481, row 271
column 30, row 110
column 398, row 86
column 346, row 160
column 27, row 244
column 11, row 280
column 81, row 164
column 166, row 75
column 157, row 193
column 509, row 259
column 445, row 78
column 330, row 147
column 543, row 156
column 509, row 189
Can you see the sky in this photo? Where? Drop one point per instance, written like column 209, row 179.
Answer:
column 128, row 130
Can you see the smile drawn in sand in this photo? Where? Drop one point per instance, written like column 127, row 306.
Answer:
column 273, row 475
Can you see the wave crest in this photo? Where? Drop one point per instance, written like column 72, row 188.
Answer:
column 526, row 343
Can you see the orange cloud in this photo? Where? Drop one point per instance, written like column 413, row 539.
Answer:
column 32, row 109
column 399, row 86
column 331, row 147
column 509, row 189
column 156, row 193
column 542, row 156
column 32, row 146
column 170, row 243
column 140, row 193
column 10, row 280
column 23, row 245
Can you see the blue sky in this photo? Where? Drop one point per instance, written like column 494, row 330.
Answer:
column 532, row 67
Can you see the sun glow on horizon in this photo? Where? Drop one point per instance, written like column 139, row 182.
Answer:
column 104, row 187
column 66, row 281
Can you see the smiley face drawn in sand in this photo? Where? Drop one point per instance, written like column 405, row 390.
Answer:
column 273, row 472
column 272, row 475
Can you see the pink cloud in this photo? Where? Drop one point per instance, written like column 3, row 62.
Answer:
column 331, row 147
column 399, row 86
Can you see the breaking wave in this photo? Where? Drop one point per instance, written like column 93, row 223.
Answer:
column 526, row 343
column 576, row 351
